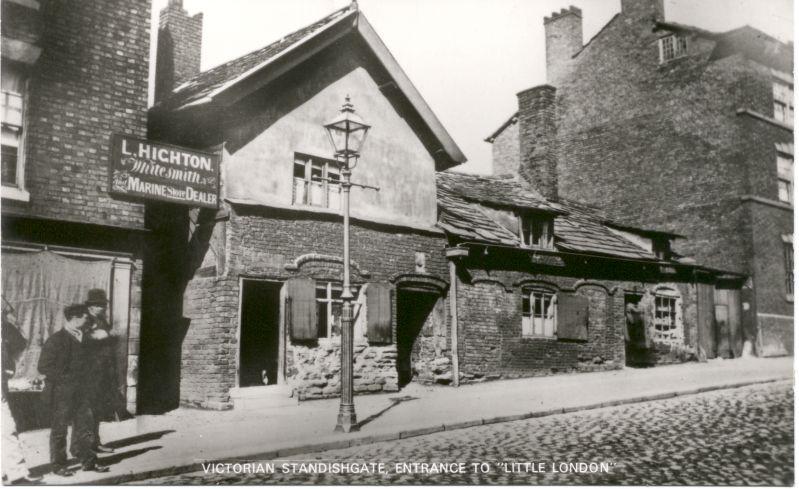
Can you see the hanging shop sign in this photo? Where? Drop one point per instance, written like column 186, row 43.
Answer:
column 155, row 171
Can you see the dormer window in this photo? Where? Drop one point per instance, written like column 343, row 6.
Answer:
column 537, row 231
column 672, row 47
column 661, row 248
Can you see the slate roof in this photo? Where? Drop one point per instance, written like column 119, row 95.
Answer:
column 578, row 228
column 209, row 81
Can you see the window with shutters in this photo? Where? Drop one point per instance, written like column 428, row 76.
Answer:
column 785, row 177
column 783, row 102
column 12, row 106
column 317, row 182
column 672, row 47
column 328, row 308
column 539, row 313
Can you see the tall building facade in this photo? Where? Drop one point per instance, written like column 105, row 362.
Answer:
column 73, row 74
column 671, row 127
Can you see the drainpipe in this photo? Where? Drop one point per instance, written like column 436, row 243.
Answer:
column 454, row 254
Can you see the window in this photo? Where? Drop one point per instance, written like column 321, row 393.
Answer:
column 317, row 182
column 787, row 249
column 12, row 112
column 537, row 231
column 328, row 308
column 539, row 313
column 661, row 248
column 672, row 47
column 783, row 102
column 665, row 323
column 785, row 177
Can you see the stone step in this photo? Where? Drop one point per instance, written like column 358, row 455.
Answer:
column 263, row 397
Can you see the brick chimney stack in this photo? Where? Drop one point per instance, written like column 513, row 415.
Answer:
column 538, row 139
column 564, row 37
column 644, row 9
column 179, row 48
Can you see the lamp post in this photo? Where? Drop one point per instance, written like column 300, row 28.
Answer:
column 347, row 133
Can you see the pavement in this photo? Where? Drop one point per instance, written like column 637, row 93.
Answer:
column 180, row 441
column 729, row 437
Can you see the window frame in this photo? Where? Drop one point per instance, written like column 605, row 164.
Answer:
column 677, row 45
column 529, row 313
column 675, row 334
column 785, row 178
column 329, row 168
column 17, row 190
column 783, row 104
column 330, row 300
column 787, row 260
column 547, row 232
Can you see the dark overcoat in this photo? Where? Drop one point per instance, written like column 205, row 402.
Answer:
column 63, row 361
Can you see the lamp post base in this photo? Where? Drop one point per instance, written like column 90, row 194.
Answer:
column 347, row 421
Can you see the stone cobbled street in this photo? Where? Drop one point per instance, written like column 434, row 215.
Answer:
column 732, row 437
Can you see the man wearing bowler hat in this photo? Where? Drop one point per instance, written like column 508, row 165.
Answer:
column 103, row 363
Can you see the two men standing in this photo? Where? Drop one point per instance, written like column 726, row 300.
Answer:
column 78, row 363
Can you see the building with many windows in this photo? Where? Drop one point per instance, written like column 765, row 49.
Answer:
column 671, row 127
column 73, row 73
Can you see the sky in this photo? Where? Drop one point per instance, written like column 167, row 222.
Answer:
column 468, row 58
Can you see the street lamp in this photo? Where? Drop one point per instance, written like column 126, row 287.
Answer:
column 347, row 133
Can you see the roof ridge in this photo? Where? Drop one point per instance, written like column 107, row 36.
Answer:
column 324, row 20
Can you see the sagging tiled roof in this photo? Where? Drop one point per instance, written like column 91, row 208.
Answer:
column 209, row 81
column 495, row 191
column 583, row 230
column 463, row 201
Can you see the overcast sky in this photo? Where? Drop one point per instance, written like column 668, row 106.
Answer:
column 468, row 58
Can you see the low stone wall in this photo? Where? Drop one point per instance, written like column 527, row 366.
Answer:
column 314, row 369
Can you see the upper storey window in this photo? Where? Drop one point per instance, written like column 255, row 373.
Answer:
column 785, row 177
column 672, row 47
column 537, row 231
column 12, row 112
column 317, row 182
column 783, row 102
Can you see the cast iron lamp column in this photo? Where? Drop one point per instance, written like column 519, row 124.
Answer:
column 347, row 133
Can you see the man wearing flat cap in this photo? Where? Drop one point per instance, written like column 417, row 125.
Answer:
column 103, row 363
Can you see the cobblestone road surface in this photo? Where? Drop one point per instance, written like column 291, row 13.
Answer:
column 733, row 437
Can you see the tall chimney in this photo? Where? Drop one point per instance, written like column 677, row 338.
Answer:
column 538, row 139
column 644, row 9
column 179, row 48
column 564, row 37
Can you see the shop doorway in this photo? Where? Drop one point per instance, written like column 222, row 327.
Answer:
column 413, row 309
column 259, row 340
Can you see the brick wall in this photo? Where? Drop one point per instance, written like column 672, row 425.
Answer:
column 505, row 151
column 490, row 314
column 89, row 82
column 260, row 243
column 179, row 47
column 660, row 146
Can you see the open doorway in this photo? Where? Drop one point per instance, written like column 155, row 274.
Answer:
column 636, row 346
column 413, row 309
column 259, row 341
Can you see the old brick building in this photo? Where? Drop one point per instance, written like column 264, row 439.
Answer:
column 672, row 127
column 73, row 73
column 247, row 300
column 548, row 286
